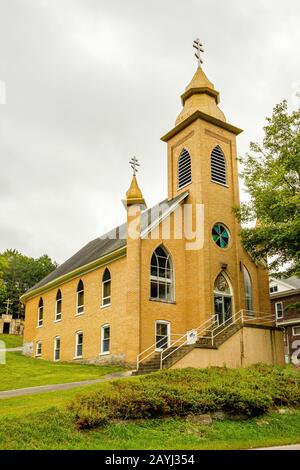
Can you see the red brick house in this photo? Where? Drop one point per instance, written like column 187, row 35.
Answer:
column 283, row 293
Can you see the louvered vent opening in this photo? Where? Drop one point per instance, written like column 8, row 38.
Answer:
column 184, row 169
column 218, row 166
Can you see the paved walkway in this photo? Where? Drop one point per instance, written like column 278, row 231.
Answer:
column 12, row 349
column 290, row 447
column 65, row 386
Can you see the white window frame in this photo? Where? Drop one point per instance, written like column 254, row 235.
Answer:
column 164, row 322
column 77, row 344
column 276, row 310
column 40, row 320
column 103, row 328
column 273, row 289
column 163, row 280
column 56, row 319
column 294, row 329
column 103, row 305
column 38, row 354
column 55, row 348
column 77, row 296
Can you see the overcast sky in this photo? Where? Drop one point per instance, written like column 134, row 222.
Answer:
column 90, row 83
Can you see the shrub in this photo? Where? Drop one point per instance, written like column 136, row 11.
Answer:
column 250, row 391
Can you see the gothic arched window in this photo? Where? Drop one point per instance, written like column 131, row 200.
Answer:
column 248, row 289
column 58, row 305
column 40, row 312
column 218, row 166
column 184, row 169
column 80, row 297
column 161, row 275
column 106, row 288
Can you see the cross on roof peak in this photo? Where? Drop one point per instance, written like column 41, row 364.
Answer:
column 199, row 46
column 134, row 163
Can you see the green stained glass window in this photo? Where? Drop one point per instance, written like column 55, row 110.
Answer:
column 220, row 235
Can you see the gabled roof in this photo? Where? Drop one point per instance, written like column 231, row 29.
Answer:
column 289, row 283
column 106, row 244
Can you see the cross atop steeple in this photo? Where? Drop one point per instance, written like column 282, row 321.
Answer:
column 199, row 46
column 134, row 165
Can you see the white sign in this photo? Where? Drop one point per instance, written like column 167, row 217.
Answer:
column 191, row 337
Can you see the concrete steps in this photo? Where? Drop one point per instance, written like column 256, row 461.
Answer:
column 222, row 334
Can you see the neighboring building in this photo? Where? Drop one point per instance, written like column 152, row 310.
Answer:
column 10, row 325
column 284, row 293
column 135, row 293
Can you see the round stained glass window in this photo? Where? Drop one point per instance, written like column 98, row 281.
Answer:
column 220, row 235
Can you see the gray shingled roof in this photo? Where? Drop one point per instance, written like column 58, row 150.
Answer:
column 106, row 243
column 293, row 281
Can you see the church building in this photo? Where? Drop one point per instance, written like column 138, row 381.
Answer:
column 172, row 286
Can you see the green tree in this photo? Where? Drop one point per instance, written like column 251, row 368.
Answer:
column 18, row 273
column 271, row 172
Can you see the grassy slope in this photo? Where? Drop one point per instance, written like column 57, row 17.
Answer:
column 41, row 422
column 11, row 341
column 20, row 371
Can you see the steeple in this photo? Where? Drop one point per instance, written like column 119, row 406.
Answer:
column 200, row 95
column 134, row 195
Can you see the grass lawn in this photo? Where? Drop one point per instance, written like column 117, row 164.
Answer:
column 12, row 341
column 41, row 422
column 21, row 371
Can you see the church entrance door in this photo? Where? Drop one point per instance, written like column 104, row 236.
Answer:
column 222, row 299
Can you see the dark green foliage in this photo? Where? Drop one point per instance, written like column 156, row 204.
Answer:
column 271, row 174
column 17, row 274
column 250, row 392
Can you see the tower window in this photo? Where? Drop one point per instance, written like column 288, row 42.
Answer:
column 248, row 289
column 218, row 166
column 220, row 235
column 184, row 169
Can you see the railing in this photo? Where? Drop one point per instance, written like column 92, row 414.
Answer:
column 209, row 330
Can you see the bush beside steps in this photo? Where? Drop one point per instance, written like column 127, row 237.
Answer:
column 246, row 392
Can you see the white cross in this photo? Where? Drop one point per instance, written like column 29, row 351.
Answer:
column 134, row 165
column 199, row 46
column 8, row 303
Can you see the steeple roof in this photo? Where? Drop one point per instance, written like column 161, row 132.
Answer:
column 200, row 95
column 134, row 194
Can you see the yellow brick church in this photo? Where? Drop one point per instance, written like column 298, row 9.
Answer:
column 172, row 286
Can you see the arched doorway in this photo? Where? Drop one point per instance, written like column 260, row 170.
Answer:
column 222, row 299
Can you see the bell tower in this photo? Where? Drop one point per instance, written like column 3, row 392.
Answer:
column 202, row 159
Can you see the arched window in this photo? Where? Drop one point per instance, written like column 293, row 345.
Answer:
column 80, row 297
column 58, row 305
column 106, row 288
column 222, row 299
column 161, row 274
column 218, row 166
column 40, row 312
column 184, row 169
column 248, row 289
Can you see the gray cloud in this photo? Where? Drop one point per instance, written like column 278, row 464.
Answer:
column 90, row 83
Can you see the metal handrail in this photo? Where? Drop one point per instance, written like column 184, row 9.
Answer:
column 201, row 327
column 210, row 326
